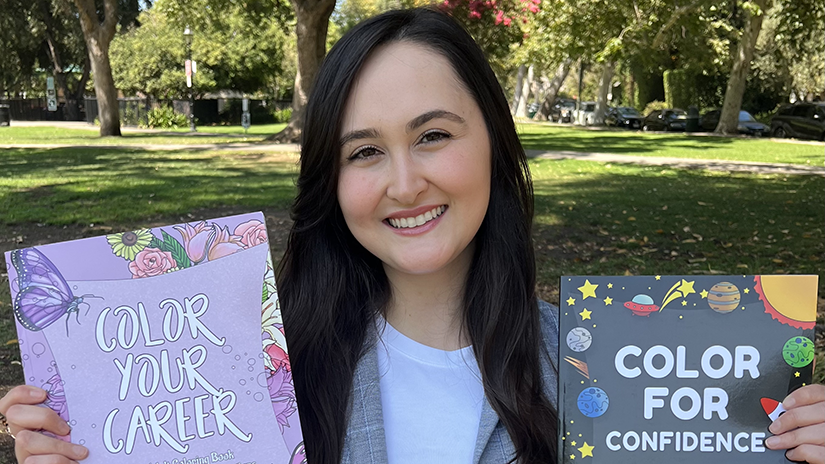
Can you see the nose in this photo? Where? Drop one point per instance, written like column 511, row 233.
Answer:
column 406, row 180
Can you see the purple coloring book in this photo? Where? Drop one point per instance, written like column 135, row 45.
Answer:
column 161, row 345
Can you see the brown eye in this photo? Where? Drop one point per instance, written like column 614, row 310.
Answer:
column 364, row 152
column 434, row 136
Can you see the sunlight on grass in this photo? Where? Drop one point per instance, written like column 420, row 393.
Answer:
column 205, row 134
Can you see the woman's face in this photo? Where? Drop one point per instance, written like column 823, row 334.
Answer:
column 415, row 162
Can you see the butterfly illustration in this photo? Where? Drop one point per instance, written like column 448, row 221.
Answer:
column 44, row 295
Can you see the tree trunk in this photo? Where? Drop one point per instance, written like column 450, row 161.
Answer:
column 312, row 20
column 517, row 89
column 604, row 88
column 729, row 119
column 98, row 36
column 521, row 108
column 554, row 87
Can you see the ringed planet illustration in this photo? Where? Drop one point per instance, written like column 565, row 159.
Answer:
column 579, row 339
column 724, row 297
column 641, row 305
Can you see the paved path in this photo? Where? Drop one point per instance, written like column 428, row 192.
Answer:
column 685, row 163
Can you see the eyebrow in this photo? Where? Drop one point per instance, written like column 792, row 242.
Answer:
column 414, row 124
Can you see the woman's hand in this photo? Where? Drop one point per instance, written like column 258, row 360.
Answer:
column 801, row 429
column 26, row 420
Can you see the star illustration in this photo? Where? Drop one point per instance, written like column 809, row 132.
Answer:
column 704, row 293
column 586, row 450
column 747, row 290
column 608, row 301
column 573, row 443
column 796, row 374
column 609, row 285
column 572, row 456
column 585, row 314
column 686, row 288
column 588, row 290
column 658, row 277
column 684, row 303
column 571, row 301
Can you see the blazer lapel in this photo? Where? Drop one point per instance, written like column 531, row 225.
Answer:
column 488, row 423
column 365, row 442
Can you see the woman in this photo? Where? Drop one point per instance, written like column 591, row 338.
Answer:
column 408, row 282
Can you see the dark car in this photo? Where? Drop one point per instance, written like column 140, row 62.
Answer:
column 747, row 124
column 672, row 119
column 562, row 110
column 803, row 120
column 623, row 116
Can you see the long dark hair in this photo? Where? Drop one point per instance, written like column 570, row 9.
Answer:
column 332, row 289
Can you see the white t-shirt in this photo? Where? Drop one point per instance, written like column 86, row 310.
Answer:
column 431, row 400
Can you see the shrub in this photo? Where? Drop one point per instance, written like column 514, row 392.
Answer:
column 165, row 117
column 653, row 106
column 282, row 115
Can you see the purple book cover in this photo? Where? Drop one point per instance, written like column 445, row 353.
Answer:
column 161, row 345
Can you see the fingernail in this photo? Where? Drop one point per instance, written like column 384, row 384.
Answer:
column 789, row 402
column 36, row 393
column 774, row 427
column 67, row 428
column 79, row 451
column 771, row 442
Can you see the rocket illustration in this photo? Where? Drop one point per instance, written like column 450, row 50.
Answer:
column 772, row 408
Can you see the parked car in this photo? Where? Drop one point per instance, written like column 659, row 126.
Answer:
column 586, row 114
column 747, row 124
column 803, row 120
column 562, row 110
column 672, row 119
column 623, row 116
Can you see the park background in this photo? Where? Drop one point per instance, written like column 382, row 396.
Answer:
column 608, row 202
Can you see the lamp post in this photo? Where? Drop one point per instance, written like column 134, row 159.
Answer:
column 190, row 72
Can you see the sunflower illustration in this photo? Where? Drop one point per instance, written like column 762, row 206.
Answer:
column 128, row 244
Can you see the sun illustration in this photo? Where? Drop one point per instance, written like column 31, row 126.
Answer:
column 790, row 300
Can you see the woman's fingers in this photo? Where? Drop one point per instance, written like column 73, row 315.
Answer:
column 22, row 394
column 810, row 435
column 48, row 459
column 812, row 454
column 40, row 446
column 800, row 416
column 809, row 394
column 24, row 416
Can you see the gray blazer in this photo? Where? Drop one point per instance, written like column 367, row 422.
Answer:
column 365, row 442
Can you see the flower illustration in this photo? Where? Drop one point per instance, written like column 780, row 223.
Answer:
column 128, row 244
column 151, row 262
column 251, row 233
column 223, row 243
column 56, row 397
column 282, row 395
column 195, row 240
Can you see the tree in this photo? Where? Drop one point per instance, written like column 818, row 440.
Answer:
column 312, row 21
column 98, row 35
column 729, row 118
column 238, row 48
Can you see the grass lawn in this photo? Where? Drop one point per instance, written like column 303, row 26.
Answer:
column 676, row 145
column 90, row 136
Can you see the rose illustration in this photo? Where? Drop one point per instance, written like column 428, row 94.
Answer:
column 278, row 357
column 151, row 262
column 195, row 240
column 251, row 233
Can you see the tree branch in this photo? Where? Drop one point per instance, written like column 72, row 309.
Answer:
column 677, row 14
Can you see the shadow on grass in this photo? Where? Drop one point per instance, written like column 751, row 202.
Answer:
column 62, row 186
column 619, row 142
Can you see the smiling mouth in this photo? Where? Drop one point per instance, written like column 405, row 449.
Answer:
column 420, row 220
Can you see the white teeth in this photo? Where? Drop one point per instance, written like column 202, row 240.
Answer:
column 421, row 219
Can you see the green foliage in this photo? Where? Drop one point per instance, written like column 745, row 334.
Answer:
column 654, row 106
column 678, row 88
column 165, row 117
column 236, row 46
column 282, row 115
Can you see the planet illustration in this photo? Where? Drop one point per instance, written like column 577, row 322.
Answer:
column 593, row 402
column 724, row 297
column 789, row 299
column 798, row 351
column 641, row 305
column 579, row 339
